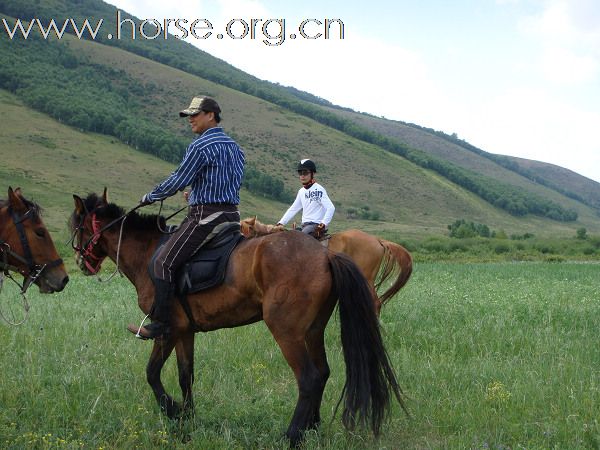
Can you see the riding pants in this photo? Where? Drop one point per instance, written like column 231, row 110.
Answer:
column 196, row 230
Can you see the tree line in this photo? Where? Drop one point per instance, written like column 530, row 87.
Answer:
column 90, row 97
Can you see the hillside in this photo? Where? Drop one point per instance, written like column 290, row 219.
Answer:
column 588, row 190
column 534, row 176
column 51, row 162
column 136, row 101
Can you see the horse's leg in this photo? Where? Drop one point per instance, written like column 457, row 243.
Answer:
column 185, row 364
column 315, row 342
column 309, row 382
column 160, row 353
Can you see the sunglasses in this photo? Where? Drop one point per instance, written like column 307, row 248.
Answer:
column 303, row 172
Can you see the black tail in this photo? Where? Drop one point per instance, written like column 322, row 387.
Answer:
column 369, row 373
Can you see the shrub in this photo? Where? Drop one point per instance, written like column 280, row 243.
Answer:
column 462, row 229
column 502, row 248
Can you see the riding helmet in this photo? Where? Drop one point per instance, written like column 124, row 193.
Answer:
column 307, row 164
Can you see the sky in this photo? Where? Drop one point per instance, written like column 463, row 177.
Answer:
column 512, row 77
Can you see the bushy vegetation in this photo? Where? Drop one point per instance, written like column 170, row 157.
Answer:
column 266, row 185
column 519, row 247
column 470, row 241
column 463, row 229
column 362, row 212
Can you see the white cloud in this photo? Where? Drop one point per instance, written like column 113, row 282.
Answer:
column 570, row 38
column 560, row 65
column 531, row 124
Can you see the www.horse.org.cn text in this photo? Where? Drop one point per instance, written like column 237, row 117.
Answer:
column 271, row 32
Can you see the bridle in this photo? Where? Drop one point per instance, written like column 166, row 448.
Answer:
column 33, row 271
column 86, row 252
column 92, row 262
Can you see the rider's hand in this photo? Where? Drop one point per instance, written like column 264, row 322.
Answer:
column 319, row 230
column 145, row 200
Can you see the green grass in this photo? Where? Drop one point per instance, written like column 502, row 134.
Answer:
column 491, row 356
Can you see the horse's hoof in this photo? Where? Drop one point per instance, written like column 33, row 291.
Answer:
column 294, row 438
column 171, row 408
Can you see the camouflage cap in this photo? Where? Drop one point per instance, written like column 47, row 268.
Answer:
column 199, row 104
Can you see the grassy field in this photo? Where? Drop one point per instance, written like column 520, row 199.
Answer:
column 491, row 356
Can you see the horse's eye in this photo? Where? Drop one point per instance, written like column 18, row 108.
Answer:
column 40, row 232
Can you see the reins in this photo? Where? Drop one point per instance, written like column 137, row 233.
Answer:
column 163, row 231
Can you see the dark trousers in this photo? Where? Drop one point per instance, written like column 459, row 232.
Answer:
column 197, row 228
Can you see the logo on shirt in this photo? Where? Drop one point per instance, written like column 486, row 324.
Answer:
column 314, row 196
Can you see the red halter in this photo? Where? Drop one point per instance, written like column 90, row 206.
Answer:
column 87, row 254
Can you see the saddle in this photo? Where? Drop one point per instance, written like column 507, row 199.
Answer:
column 206, row 268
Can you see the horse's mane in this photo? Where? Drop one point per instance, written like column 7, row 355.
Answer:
column 252, row 224
column 32, row 206
column 134, row 221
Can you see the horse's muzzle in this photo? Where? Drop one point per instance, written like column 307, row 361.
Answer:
column 50, row 283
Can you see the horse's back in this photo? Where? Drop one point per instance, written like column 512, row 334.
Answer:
column 364, row 249
column 292, row 272
column 272, row 278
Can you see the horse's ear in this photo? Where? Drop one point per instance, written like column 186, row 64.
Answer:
column 80, row 208
column 105, row 196
column 16, row 200
column 252, row 221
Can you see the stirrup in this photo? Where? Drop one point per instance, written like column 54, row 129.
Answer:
column 131, row 327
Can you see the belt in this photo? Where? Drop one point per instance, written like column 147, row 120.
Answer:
column 212, row 204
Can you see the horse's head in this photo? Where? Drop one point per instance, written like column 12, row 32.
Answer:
column 252, row 227
column 247, row 227
column 26, row 245
column 86, row 231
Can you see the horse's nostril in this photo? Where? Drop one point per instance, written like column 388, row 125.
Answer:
column 64, row 282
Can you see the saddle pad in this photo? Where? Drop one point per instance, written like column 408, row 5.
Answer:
column 207, row 267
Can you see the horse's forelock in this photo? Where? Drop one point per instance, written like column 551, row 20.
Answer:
column 32, row 206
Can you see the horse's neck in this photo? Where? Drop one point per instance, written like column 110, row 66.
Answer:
column 3, row 224
column 260, row 228
column 134, row 254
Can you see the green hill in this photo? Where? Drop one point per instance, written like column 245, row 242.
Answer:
column 102, row 97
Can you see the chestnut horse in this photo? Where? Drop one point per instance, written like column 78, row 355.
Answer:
column 266, row 279
column 377, row 258
column 26, row 246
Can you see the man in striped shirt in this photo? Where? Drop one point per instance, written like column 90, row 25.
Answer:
column 213, row 166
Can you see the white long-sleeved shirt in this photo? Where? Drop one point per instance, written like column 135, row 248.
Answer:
column 314, row 203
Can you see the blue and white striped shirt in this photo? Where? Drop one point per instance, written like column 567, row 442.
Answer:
column 213, row 165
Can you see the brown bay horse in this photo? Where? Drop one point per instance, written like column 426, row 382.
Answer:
column 26, row 246
column 378, row 259
column 267, row 279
